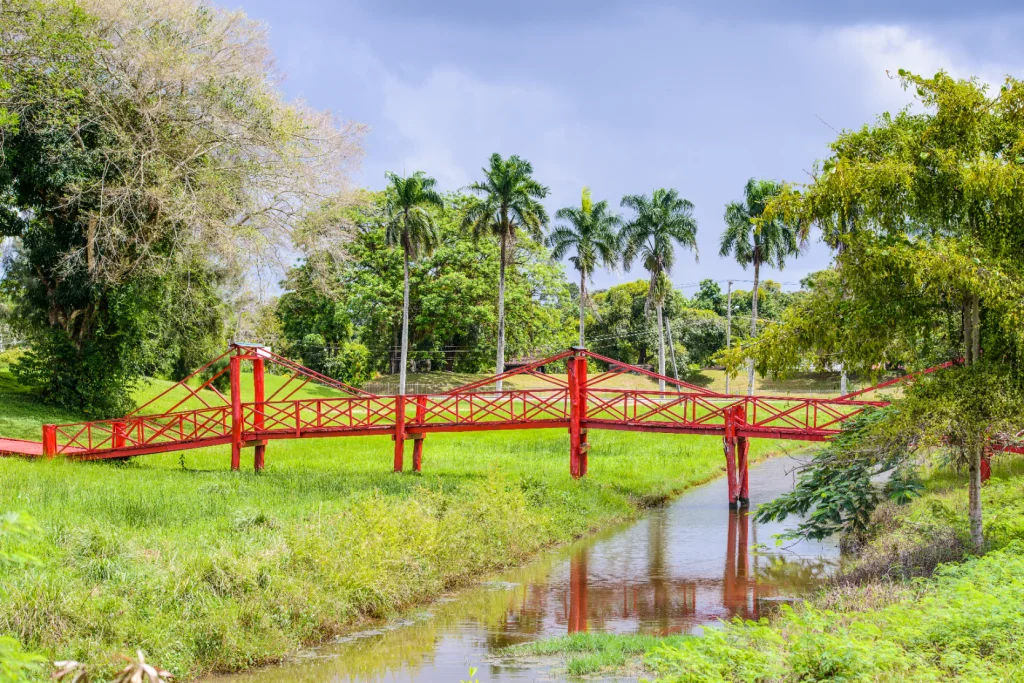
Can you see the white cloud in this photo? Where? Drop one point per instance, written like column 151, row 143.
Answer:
column 451, row 121
column 875, row 50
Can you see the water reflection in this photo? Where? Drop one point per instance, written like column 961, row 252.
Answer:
column 680, row 569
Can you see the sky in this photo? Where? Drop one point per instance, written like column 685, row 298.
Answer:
column 625, row 97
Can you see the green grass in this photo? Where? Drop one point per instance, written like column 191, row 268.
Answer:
column 586, row 654
column 208, row 570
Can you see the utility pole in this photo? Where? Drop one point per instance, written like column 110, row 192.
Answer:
column 728, row 328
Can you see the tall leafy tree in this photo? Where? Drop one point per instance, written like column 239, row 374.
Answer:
column 410, row 225
column 927, row 206
column 143, row 149
column 591, row 232
column 661, row 221
column 507, row 203
column 752, row 241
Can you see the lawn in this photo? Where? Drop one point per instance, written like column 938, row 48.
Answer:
column 208, row 570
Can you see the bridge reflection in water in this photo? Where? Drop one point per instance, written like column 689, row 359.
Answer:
column 681, row 569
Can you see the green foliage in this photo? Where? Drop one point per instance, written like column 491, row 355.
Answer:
column 956, row 411
column 751, row 239
column 145, row 159
column 452, row 295
column 662, row 221
column 591, row 232
column 710, row 298
column 409, row 223
column 700, row 332
column 507, row 201
column 836, row 487
column 965, row 626
column 349, row 362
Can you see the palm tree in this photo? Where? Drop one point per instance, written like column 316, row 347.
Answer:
column 660, row 220
column 592, row 232
column 770, row 242
column 410, row 225
column 508, row 202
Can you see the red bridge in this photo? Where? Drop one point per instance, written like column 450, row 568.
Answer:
column 578, row 404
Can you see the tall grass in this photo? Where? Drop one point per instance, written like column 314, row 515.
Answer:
column 209, row 570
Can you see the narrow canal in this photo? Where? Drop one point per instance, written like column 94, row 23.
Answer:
column 682, row 568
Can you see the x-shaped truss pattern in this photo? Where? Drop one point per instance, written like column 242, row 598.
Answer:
column 685, row 408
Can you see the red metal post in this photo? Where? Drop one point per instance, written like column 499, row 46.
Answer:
column 117, row 435
column 236, row 412
column 986, row 465
column 743, row 465
column 49, row 440
column 581, row 380
column 259, row 394
column 399, row 432
column 574, row 417
column 729, row 442
column 417, row 446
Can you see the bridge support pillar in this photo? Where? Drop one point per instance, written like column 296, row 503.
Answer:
column 49, row 440
column 117, row 437
column 743, row 471
column 259, row 392
column 737, row 452
column 576, row 366
column 417, row 445
column 399, row 433
column 235, row 370
column 729, row 444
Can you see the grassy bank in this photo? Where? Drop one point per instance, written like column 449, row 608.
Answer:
column 914, row 606
column 208, row 570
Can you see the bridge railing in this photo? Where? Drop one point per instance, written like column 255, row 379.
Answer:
column 380, row 413
column 510, row 407
column 142, row 433
column 668, row 409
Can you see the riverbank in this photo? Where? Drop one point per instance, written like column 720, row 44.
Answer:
column 915, row 606
column 212, row 571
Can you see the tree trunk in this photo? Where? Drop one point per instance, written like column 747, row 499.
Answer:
column 500, row 365
column 405, row 326
column 672, row 349
column 972, row 330
column 753, row 325
column 728, row 330
column 842, row 380
column 583, row 299
column 968, row 317
column 975, row 328
column 661, row 349
column 974, row 487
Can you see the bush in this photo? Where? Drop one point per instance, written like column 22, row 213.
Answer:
column 967, row 624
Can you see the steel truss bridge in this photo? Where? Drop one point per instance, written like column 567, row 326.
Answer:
column 580, row 403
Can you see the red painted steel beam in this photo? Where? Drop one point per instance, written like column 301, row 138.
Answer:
column 653, row 375
column 511, row 373
column 130, row 451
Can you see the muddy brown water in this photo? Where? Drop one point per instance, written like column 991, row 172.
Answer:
column 680, row 569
